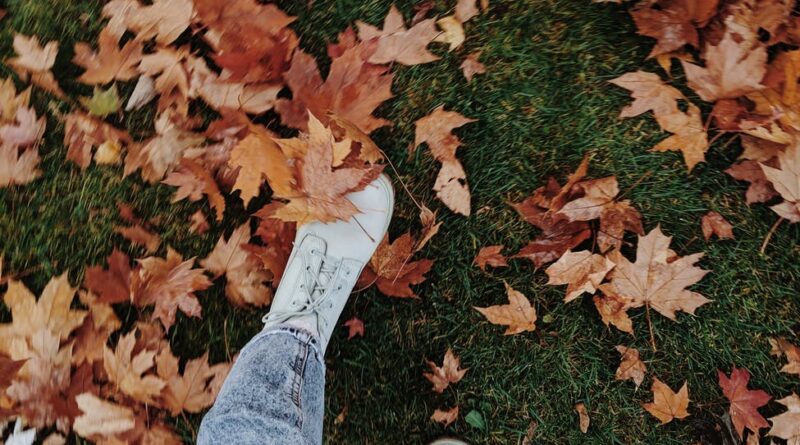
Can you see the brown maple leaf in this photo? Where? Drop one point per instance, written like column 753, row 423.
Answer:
column 195, row 389
column 445, row 417
column 672, row 22
column 613, row 309
column 630, row 366
column 16, row 169
column 392, row 270
column 198, row 224
column 787, row 424
column 355, row 327
column 320, row 194
column 93, row 334
column 171, row 77
column 733, row 68
column 129, row 371
column 783, row 347
column 715, row 224
column 398, row 44
column 471, row 66
column 668, row 405
column 518, row 314
column 656, row 280
column 169, row 284
column 616, row 219
column 111, row 62
column 140, row 236
column 83, row 132
column 649, row 92
column 258, row 157
column 582, row 271
column 194, row 181
column 353, row 89
column 449, row 372
column 112, row 285
column 34, row 62
column 245, row 275
column 436, row 130
column 163, row 152
column 490, row 256
column 278, row 240
column 760, row 189
column 24, row 130
column 744, row 402
column 101, row 418
column 786, row 181
column 430, row 227
column 689, row 135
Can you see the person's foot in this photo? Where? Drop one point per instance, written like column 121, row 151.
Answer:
column 326, row 261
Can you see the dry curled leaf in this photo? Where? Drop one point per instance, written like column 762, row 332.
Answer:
column 445, row 417
column 715, row 224
column 449, row 372
column 583, row 417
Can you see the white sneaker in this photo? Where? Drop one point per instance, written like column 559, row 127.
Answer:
column 326, row 261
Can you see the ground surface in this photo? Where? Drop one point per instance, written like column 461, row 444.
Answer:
column 544, row 102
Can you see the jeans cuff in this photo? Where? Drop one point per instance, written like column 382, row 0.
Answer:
column 302, row 335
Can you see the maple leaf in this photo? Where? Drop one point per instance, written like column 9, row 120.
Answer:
column 613, row 309
column 582, row 271
column 8, row 370
column 164, row 20
column 198, row 223
column 650, row 93
column 760, row 189
column 392, row 270
column 355, row 327
column 471, row 66
column 792, row 352
column 103, row 102
column 583, row 417
column 518, row 314
column 169, row 284
column 93, row 334
column 101, row 417
column 733, row 68
column 278, row 238
column 34, row 62
column 491, row 256
column 368, row 151
column 786, row 181
column 353, row 90
column 630, row 366
column 111, row 62
column 398, row 44
column 258, row 157
column 668, row 405
column 25, row 131
column 689, row 135
column 449, row 372
column 445, row 417
column 163, row 152
column 194, row 181
column 10, row 101
column 787, row 425
column 436, row 129
column 673, row 22
column 744, row 402
column 127, row 370
column 655, row 280
column 140, row 236
column 244, row 274
column 83, row 132
column 715, row 224
column 195, row 389
column 452, row 32
column 321, row 190
column 16, row 169
column 617, row 218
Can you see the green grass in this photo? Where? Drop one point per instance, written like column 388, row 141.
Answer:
column 542, row 105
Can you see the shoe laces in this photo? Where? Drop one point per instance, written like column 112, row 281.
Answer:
column 315, row 298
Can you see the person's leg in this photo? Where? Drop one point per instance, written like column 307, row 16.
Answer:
column 274, row 393
column 275, row 390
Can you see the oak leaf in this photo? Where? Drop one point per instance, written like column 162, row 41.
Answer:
column 445, row 417
column 436, row 129
column 518, row 314
column 715, row 224
column 34, row 62
column 169, row 284
column 355, row 327
column 744, row 402
column 396, row 43
column 111, row 62
column 16, row 169
column 582, row 271
column 668, row 405
column 129, row 371
column 449, row 372
column 786, row 181
column 392, row 270
column 787, row 424
column 490, row 256
column 656, row 280
column 630, row 366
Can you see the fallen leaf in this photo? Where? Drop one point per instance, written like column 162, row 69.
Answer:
column 452, row 32
column 258, row 158
column 395, row 43
column 8, row 370
column 113, row 284
column 198, row 224
column 668, row 405
column 169, row 284
column 583, row 416
column 744, row 402
column 110, row 62
column 164, row 20
column 83, row 132
column 101, row 417
column 490, row 256
column 760, row 189
column 95, row 331
column 786, row 181
column 714, row 224
column 471, row 66
column 689, row 135
column 783, row 347
column 518, row 314
column 143, row 93
column 435, row 130
column 672, row 23
column 649, row 92
column 445, row 417
column 245, row 275
column 103, row 102
column 582, row 271
column 25, row 130
column 163, row 152
column 140, row 236
column 449, row 372
column 787, row 424
column 613, row 309
column 630, row 366
column 355, row 327
column 465, row 10
column 430, row 227
column 194, row 181
column 392, row 270
column 34, row 62
column 195, row 389
column 16, row 169
column 129, row 371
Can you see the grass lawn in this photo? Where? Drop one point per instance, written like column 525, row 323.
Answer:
column 544, row 103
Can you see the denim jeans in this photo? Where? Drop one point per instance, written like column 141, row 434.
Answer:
column 274, row 394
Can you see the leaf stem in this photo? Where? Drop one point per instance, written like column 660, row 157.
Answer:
column 650, row 327
column 769, row 235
